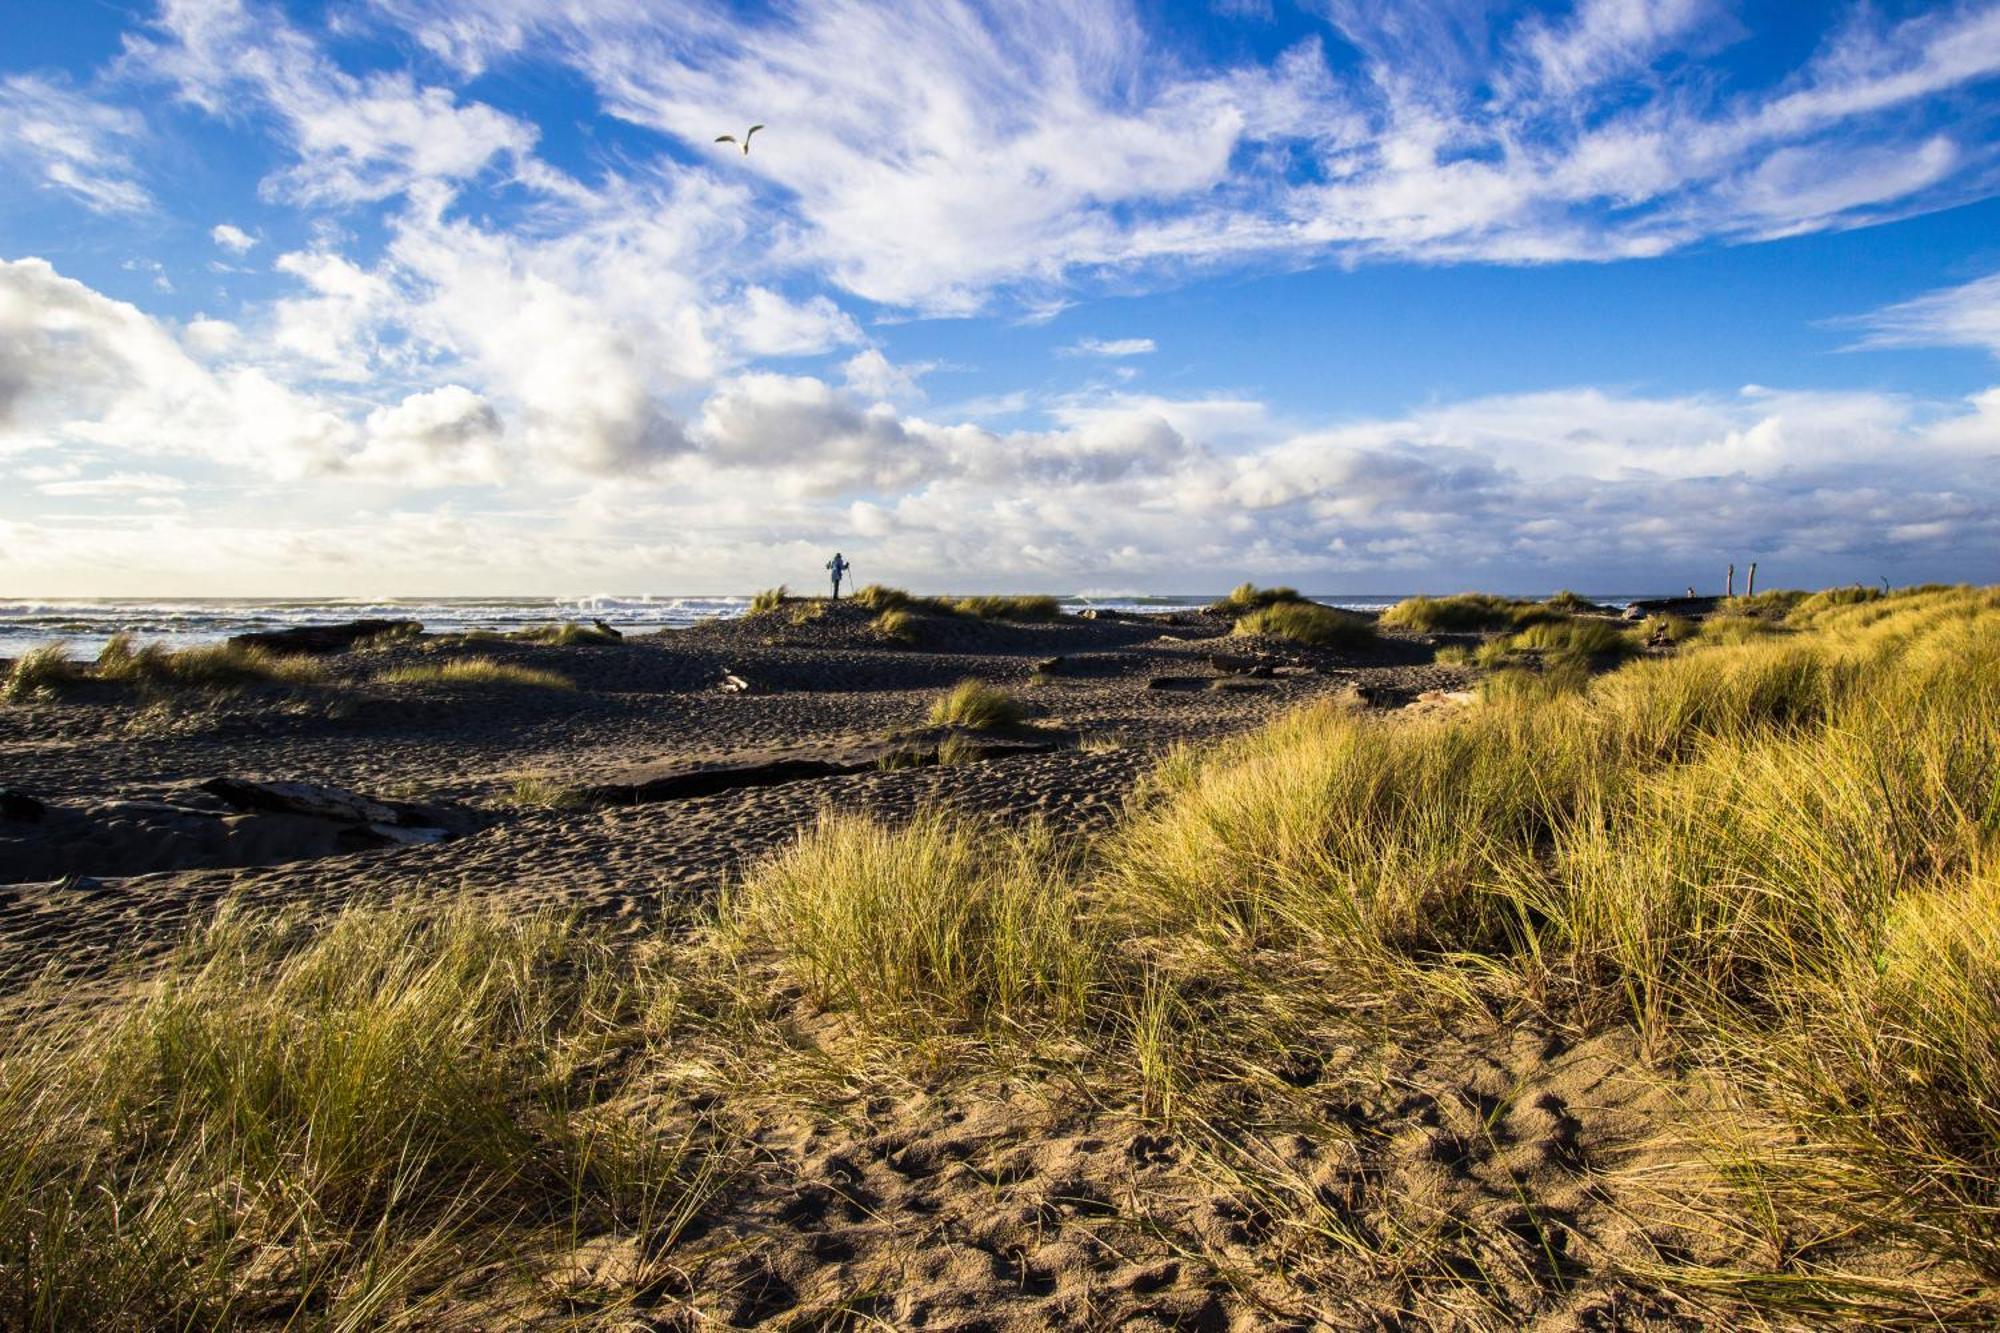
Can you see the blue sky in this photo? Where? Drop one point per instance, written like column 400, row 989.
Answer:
column 459, row 296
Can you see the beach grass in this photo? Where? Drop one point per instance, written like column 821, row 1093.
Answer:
column 567, row 633
column 1021, row 607
column 335, row 1128
column 769, row 600
column 1247, row 597
column 41, row 672
column 483, row 671
column 206, row 666
column 978, row 706
column 938, row 924
column 1461, row 612
column 1308, row 623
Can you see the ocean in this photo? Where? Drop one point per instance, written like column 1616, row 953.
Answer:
column 84, row 623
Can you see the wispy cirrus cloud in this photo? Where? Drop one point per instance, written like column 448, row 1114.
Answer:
column 1109, row 347
column 1967, row 315
column 931, row 155
column 72, row 142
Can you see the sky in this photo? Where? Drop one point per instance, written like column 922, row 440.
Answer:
column 461, row 297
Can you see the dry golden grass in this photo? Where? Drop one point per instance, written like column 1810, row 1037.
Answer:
column 1308, row 623
column 976, row 705
column 482, row 671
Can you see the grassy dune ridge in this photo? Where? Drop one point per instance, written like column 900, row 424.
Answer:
column 1773, row 859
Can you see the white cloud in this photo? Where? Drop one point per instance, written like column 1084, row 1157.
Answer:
column 1109, row 347
column 873, row 375
column 1964, row 316
column 929, row 155
column 232, row 238
column 117, row 483
column 72, row 143
column 356, row 138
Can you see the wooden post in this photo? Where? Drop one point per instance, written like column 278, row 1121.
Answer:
column 1750, row 588
column 1729, row 588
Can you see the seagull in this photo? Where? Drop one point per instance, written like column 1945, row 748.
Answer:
column 730, row 138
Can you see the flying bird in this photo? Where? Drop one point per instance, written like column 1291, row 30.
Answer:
column 730, row 138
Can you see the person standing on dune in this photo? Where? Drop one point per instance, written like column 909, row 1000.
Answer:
column 838, row 567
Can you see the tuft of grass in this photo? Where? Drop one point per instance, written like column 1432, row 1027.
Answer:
column 1247, row 597
column 1570, row 603
column 1461, row 612
column 207, row 666
column 940, row 925
column 1666, row 629
column 1014, row 607
column 41, row 672
column 1454, row 654
column 1581, row 641
column 898, row 624
column 1309, row 623
column 1774, row 603
column 768, row 600
column 564, row 635
column 332, row 1129
column 538, row 791
column 475, row 671
column 976, row 705
column 877, row 597
column 1826, row 599
column 1726, row 629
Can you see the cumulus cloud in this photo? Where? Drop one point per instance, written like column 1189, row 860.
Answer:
column 232, row 238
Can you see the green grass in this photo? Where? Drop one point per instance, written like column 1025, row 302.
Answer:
column 1308, row 623
column 475, row 671
column 335, row 1129
column 978, row 706
column 41, row 673
column 1570, row 603
column 567, row 633
column 1247, row 597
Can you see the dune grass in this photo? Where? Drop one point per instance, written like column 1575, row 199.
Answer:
column 207, row 666
column 769, row 600
column 1019, row 606
column 475, row 671
column 1247, row 597
column 1570, row 603
column 1308, row 623
column 978, row 706
column 41, row 673
column 154, row 666
column 1016, row 606
column 336, row 1129
column 898, row 624
column 938, row 925
column 1460, row 612
column 564, row 635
